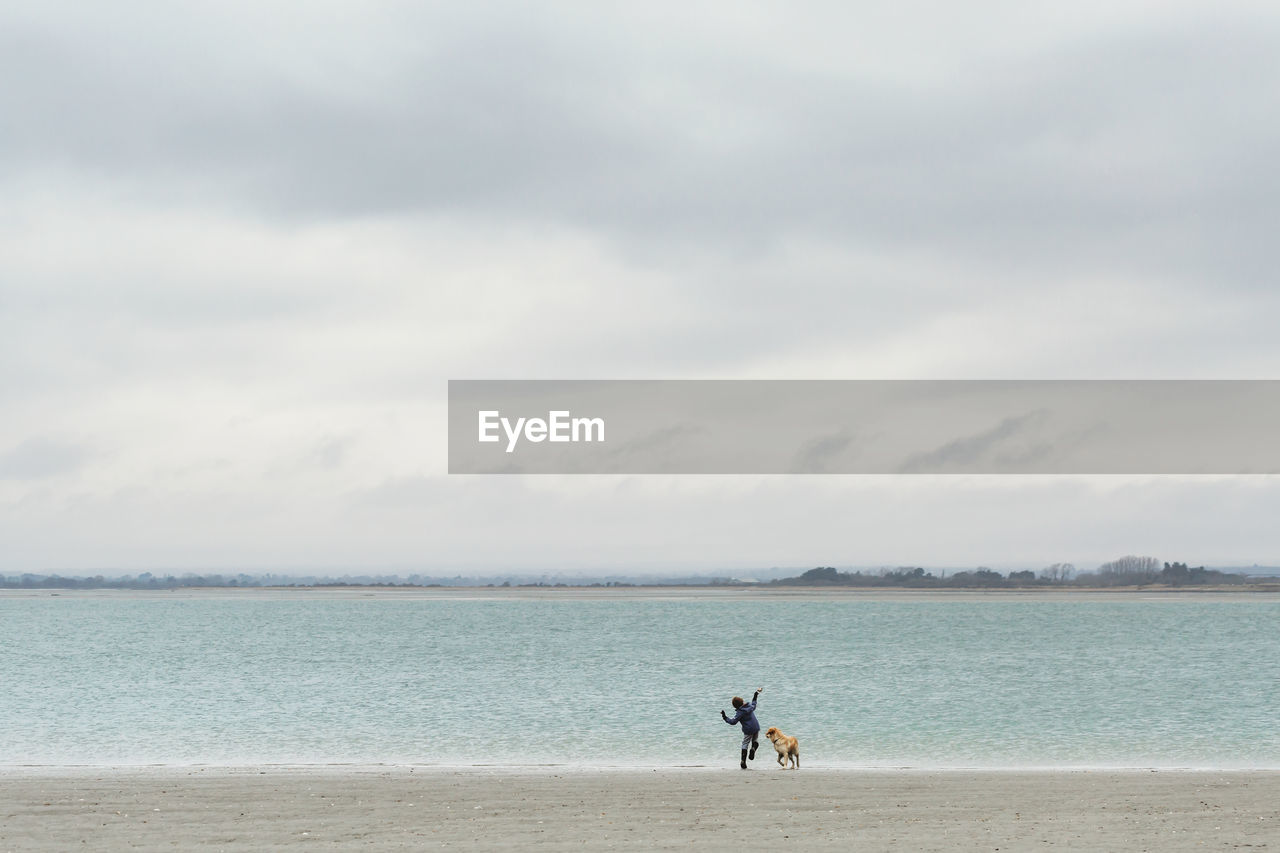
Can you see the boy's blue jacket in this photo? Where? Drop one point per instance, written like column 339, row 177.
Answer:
column 747, row 716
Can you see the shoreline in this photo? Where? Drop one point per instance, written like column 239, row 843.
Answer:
column 541, row 768
column 1257, row 593
column 259, row 807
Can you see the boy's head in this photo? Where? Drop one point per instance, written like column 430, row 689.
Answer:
column 737, row 702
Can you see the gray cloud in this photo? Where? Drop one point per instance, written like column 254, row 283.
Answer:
column 38, row 457
column 981, row 446
column 331, row 452
column 234, row 231
column 1146, row 149
column 815, row 455
column 655, row 441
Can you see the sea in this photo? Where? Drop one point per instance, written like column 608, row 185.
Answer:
column 1174, row 681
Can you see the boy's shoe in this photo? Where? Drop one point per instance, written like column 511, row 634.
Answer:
column 752, row 756
column 744, row 759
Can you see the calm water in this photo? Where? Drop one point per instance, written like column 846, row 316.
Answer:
column 929, row 683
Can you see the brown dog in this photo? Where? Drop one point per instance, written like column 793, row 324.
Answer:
column 787, row 746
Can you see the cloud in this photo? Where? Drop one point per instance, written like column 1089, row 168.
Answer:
column 980, row 447
column 815, row 455
column 38, row 458
column 1142, row 146
column 331, row 452
column 232, row 235
column 401, row 493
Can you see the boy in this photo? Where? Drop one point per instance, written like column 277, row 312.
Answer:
column 745, row 713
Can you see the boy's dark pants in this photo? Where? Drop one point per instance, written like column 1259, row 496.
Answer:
column 750, row 740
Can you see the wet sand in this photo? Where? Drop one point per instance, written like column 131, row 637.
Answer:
column 336, row 808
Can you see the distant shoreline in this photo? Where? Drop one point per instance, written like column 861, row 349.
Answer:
column 1251, row 592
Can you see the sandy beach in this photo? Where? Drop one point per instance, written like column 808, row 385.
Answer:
column 560, row 808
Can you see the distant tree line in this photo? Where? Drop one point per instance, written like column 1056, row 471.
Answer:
column 1126, row 571
column 146, row 580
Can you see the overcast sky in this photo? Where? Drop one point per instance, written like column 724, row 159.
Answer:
column 244, row 245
